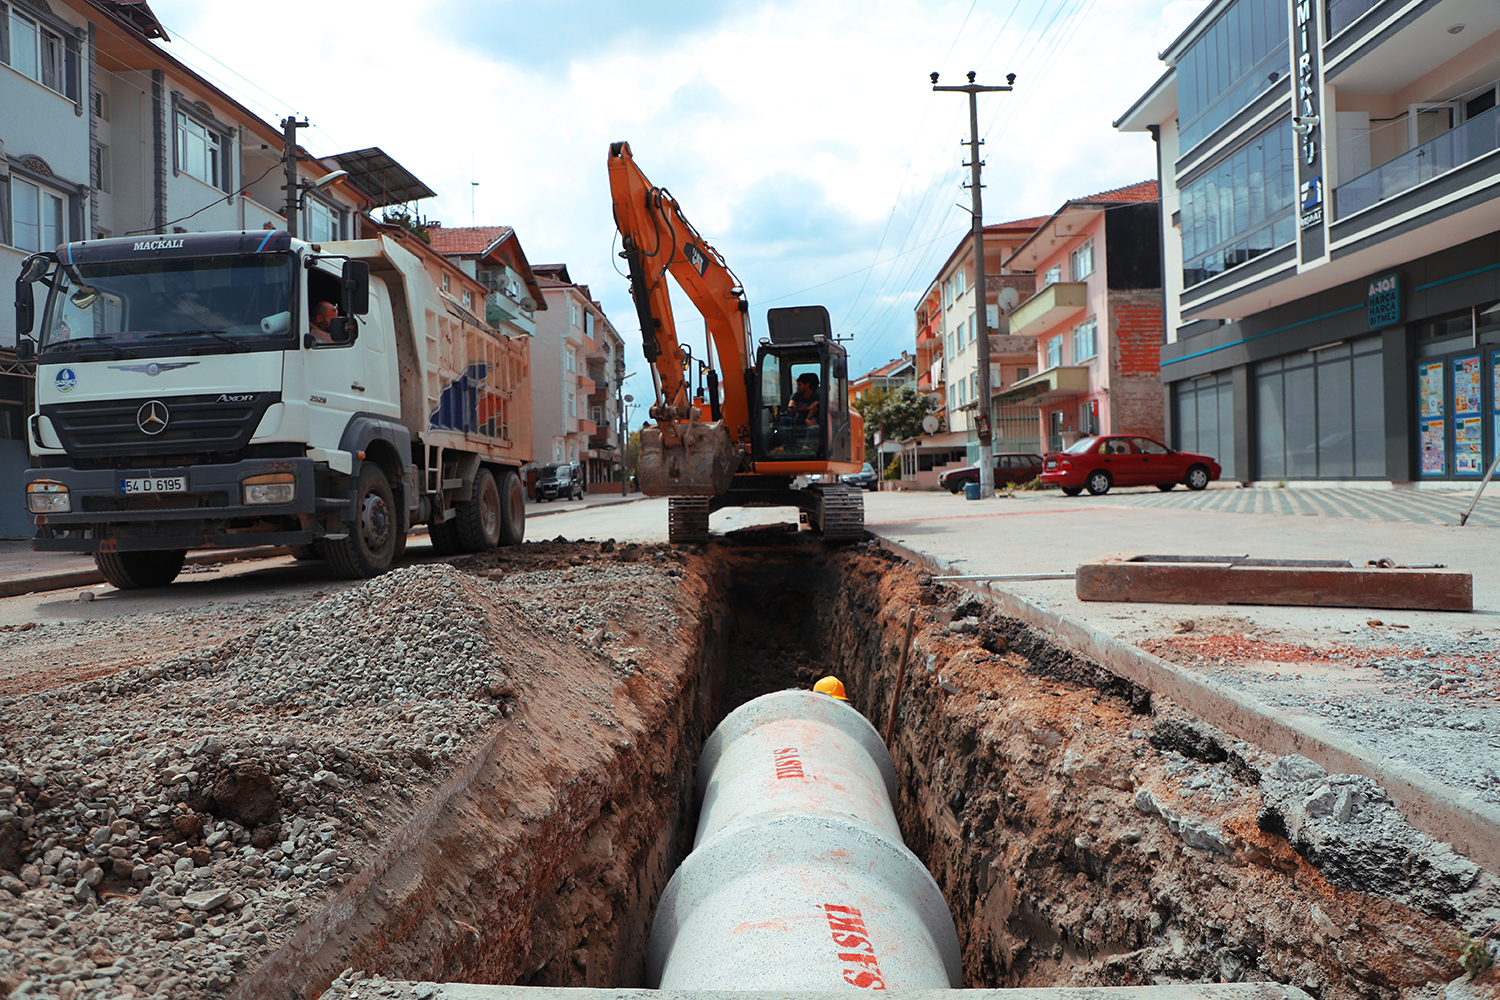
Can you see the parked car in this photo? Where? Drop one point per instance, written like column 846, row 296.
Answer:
column 1098, row 463
column 560, row 481
column 1010, row 467
column 865, row 478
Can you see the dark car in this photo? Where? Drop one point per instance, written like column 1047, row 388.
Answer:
column 1010, row 467
column 865, row 478
column 560, row 481
column 1098, row 463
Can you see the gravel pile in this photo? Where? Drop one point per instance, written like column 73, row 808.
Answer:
column 162, row 830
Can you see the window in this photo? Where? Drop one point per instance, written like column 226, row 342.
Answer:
column 1085, row 341
column 203, row 152
column 1237, row 57
column 37, row 51
column 1054, row 352
column 572, row 315
column 99, row 167
column 444, row 284
column 571, row 361
column 1022, row 373
column 1241, row 207
column 99, row 105
column 322, row 222
column 1082, row 261
column 972, row 327
column 588, row 324
column 958, row 284
column 1053, row 275
column 468, row 299
column 572, row 404
column 38, row 216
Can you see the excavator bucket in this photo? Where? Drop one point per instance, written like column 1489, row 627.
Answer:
column 700, row 462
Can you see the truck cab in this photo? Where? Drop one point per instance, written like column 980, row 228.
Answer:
column 239, row 389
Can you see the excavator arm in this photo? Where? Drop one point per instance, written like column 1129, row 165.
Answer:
column 683, row 454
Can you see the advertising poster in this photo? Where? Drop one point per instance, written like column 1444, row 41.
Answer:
column 1495, row 402
column 1432, row 428
column 1468, row 418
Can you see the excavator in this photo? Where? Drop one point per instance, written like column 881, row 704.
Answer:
column 770, row 425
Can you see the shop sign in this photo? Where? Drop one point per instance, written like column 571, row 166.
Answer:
column 1311, row 202
column 1383, row 301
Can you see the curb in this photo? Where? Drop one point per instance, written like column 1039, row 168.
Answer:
column 45, row 582
column 1470, row 825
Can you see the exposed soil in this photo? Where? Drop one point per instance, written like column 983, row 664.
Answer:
column 1084, row 832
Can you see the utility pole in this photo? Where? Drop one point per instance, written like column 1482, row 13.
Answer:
column 982, row 406
column 289, row 127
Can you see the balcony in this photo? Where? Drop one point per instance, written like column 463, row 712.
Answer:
column 1454, row 148
column 1048, row 307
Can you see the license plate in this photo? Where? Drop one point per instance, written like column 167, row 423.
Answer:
column 160, row 484
column 1051, row 465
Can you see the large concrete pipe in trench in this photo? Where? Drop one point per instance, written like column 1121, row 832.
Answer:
column 798, row 879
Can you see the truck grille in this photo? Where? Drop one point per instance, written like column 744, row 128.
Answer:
column 109, row 432
column 155, row 501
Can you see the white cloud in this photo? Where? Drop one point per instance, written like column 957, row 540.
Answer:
column 825, row 109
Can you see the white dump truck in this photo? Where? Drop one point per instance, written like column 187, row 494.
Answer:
column 226, row 390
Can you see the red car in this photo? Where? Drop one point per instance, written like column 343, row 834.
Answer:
column 1097, row 463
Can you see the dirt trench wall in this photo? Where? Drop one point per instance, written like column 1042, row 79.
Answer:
column 541, row 862
column 1086, row 835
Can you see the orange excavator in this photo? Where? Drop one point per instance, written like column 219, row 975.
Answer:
column 777, row 417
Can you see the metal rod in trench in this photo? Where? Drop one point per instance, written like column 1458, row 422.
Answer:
column 890, row 719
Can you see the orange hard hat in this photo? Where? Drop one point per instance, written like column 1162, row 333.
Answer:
column 831, row 686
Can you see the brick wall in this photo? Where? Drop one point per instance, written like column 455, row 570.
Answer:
column 1136, row 399
column 1135, row 325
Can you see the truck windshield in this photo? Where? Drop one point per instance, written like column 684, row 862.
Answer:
column 164, row 306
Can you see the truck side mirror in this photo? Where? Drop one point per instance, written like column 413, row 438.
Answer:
column 356, row 288
column 25, row 308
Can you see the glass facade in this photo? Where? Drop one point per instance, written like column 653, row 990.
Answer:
column 1241, row 207
column 1321, row 414
column 1203, row 419
column 1229, row 65
column 1342, row 13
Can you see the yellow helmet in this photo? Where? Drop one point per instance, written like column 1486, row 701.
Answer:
column 831, row 686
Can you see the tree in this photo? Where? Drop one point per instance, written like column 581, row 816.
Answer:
column 896, row 412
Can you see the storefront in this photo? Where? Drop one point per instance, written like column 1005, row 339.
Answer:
column 1393, row 376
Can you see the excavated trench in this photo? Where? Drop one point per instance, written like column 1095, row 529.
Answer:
column 1083, row 832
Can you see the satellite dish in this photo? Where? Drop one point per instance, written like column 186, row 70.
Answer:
column 1009, row 298
column 930, row 424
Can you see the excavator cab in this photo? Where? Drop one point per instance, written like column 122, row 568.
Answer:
column 802, row 390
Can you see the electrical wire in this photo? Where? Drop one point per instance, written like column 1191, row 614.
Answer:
column 228, row 198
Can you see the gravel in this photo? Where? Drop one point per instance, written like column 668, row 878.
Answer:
column 165, row 828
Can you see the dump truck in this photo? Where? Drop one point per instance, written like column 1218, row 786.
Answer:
column 240, row 389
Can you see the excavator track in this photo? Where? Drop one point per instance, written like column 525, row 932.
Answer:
column 687, row 519
column 841, row 513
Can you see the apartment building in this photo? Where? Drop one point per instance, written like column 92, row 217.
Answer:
column 578, row 370
column 1095, row 321
column 104, row 133
column 1329, row 173
column 947, row 357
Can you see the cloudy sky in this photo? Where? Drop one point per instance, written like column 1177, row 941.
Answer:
column 803, row 140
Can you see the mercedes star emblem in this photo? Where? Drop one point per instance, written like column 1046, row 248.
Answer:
column 152, row 417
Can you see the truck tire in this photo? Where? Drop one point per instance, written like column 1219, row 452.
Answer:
column 444, row 535
column 369, row 547
column 479, row 517
column 512, row 509
column 140, row 570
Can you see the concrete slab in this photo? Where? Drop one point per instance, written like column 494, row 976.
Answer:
column 1205, row 579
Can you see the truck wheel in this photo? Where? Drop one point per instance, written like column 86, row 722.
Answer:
column 479, row 518
column 444, row 535
column 140, row 570
column 369, row 548
column 512, row 509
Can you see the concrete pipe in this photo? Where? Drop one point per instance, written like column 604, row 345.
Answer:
column 798, row 879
